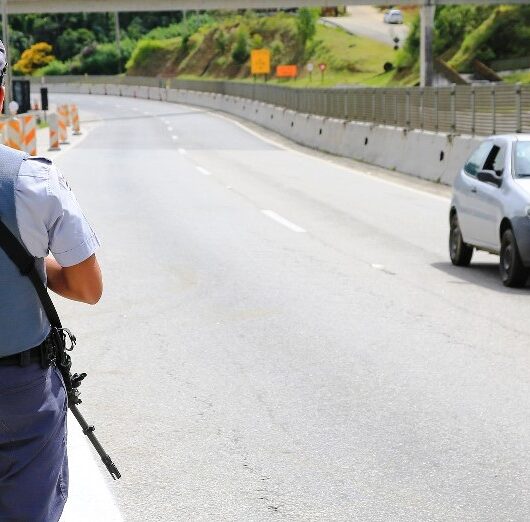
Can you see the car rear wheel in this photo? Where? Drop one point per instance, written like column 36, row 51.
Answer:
column 513, row 272
column 459, row 251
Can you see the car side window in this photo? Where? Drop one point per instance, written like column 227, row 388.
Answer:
column 477, row 160
column 496, row 158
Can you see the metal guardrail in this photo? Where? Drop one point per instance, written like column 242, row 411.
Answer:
column 462, row 109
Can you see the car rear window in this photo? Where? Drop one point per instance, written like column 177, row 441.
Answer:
column 521, row 163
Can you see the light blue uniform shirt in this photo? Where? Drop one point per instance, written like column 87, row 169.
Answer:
column 49, row 216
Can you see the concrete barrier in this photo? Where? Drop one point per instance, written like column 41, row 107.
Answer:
column 433, row 156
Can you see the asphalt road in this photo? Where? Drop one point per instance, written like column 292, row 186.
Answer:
column 283, row 338
column 366, row 20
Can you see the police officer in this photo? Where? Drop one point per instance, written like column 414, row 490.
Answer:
column 39, row 208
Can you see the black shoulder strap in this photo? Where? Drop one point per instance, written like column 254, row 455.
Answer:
column 26, row 264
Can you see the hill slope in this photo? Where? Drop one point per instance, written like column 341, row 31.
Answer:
column 210, row 52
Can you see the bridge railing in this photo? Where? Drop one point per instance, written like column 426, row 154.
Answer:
column 462, row 109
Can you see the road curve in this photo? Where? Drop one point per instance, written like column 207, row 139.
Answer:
column 367, row 21
column 283, row 338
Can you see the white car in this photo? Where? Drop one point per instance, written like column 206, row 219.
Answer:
column 393, row 16
column 490, row 209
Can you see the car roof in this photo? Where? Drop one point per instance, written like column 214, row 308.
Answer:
column 510, row 137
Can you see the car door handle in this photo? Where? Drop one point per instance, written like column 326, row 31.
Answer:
column 474, row 190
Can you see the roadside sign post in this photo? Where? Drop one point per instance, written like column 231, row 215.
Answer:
column 322, row 68
column 310, row 68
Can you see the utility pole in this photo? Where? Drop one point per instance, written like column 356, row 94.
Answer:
column 5, row 39
column 426, row 44
column 118, row 38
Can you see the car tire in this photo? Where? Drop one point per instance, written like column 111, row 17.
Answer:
column 460, row 252
column 513, row 272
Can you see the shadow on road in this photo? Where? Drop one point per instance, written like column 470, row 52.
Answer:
column 483, row 274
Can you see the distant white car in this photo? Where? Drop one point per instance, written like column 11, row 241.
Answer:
column 393, row 16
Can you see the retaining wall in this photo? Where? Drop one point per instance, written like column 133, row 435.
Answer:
column 433, row 156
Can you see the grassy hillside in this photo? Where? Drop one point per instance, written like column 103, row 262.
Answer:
column 209, row 52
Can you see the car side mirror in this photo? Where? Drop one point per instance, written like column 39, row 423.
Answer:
column 489, row 176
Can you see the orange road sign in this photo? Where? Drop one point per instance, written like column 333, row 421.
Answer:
column 260, row 61
column 287, row 71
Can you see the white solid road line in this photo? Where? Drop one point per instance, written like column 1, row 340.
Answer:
column 285, row 222
column 175, row 137
column 170, row 129
column 182, row 151
column 89, row 498
column 203, row 171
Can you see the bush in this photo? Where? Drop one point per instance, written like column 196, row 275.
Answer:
column 257, row 41
column 37, row 56
column 100, row 59
column 240, row 52
column 55, row 68
column 150, row 54
column 221, row 41
column 190, row 26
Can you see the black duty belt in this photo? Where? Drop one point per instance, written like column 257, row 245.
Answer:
column 33, row 355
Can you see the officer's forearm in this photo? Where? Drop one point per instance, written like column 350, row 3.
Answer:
column 82, row 282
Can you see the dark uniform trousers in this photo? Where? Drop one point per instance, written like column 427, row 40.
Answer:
column 33, row 460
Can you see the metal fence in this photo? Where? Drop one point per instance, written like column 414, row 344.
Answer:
column 462, row 109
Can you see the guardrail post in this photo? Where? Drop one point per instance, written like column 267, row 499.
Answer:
column 395, row 108
column 422, row 108
column 407, row 109
column 453, row 108
column 436, row 112
column 473, row 112
column 518, row 106
column 383, row 106
column 493, row 110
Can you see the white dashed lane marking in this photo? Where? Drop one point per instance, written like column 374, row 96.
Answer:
column 203, row 171
column 285, row 222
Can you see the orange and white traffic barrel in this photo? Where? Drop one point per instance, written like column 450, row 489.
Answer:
column 29, row 130
column 63, row 129
column 75, row 120
column 3, row 129
column 53, row 122
column 14, row 134
column 67, row 115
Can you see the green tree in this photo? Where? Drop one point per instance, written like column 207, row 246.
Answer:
column 240, row 52
column 72, row 42
column 306, row 25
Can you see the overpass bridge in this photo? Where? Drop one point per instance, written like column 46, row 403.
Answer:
column 76, row 6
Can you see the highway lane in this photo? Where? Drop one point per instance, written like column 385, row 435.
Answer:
column 283, row 337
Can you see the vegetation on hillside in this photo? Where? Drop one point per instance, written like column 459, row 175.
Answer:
column 218, row 44
column 221, row 49
column 467, row 32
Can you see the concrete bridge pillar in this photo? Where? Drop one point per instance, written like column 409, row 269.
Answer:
column 426, row 44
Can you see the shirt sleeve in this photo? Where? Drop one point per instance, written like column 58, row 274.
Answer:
column 49, row 216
